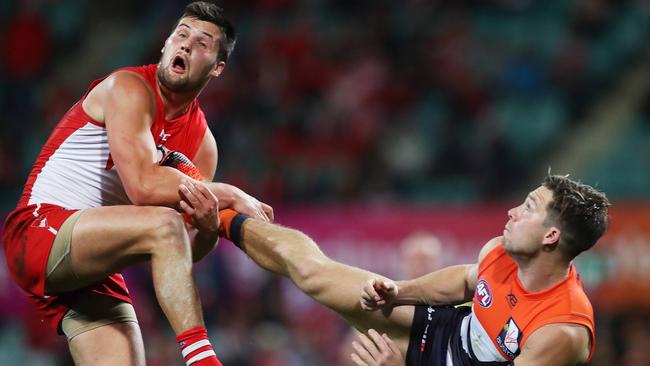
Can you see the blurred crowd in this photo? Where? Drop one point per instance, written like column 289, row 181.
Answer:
column 337, row 101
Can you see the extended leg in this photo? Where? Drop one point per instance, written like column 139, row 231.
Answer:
column 338, row 286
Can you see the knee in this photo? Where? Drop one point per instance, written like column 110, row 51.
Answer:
column 168, row 230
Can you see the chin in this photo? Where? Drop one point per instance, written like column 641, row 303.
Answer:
column 507, row 244
column 177, row 83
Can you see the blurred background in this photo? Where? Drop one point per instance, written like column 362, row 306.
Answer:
column 370, row 125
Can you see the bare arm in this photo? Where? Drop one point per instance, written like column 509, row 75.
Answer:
column 228, row 195
column 556, row 344
column 126, row 105
column 128, row 108
column 450, row 285
column 204, row 241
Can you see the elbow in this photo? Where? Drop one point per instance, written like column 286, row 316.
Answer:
column 140, row 196
column 137, row 199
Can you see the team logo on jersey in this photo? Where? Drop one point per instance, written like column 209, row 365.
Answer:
column 483, row 293
column 509, row 339
column 512, row 299
column 164, row 136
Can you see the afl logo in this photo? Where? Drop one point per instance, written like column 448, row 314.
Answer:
column 483, row 294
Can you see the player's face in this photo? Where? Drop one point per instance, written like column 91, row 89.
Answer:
column 189, row 58
column 526, row 230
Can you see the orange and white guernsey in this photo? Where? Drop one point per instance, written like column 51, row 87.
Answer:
column 504, row 314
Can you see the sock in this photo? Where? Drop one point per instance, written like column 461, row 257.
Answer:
column 230, row 224
column 196, row 348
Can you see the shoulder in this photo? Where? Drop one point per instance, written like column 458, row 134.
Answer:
column 125, row 93
column 128, row 83
column 472, row 273
column 489, row 246
column 556, row 344
column 117, row 91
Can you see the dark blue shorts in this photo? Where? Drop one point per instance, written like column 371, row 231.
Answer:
column 434, row 329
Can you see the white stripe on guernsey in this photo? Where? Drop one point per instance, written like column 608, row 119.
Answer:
column 194, row 346
column 482, row 345
column 52, row 230
column 75, row 175
column 200, row 356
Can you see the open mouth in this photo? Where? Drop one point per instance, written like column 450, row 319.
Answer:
column 178, row 64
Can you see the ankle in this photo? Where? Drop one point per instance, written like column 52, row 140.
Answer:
column 196, row 348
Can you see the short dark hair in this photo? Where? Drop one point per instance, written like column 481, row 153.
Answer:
column 213, row 13
column 580, row 212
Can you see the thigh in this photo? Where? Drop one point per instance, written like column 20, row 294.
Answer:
column 90, row 310
column 112, row 344
column 107, row 239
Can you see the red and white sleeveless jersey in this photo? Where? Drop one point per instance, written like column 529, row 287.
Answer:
column 75, row 170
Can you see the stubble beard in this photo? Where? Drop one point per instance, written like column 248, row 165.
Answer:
column 182, row 83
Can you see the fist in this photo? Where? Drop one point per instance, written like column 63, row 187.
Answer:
column 377, row 293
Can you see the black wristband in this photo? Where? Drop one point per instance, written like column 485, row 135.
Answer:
column 235, row 228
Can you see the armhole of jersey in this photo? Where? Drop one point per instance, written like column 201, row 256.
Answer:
column 574, row 319
column 494, row 254
column 98, row 81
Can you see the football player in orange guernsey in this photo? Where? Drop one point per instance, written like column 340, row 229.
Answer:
column 528, row 304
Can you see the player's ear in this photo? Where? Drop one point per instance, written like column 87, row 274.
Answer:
column 551, row 238
column 218, row 68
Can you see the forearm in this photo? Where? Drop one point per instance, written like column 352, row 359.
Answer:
column 446, row 286
column 224, row 193
column 158, row 186
column 203, row 243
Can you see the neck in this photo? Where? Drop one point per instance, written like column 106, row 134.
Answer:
column 542, row 272
column 175, row 103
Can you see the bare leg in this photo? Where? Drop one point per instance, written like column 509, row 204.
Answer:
column 338, row 286
column 107, row 239
column 113, row 344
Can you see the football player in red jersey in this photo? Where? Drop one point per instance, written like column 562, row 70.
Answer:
column 98, row 200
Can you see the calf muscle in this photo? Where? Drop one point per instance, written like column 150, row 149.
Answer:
column 336, row 285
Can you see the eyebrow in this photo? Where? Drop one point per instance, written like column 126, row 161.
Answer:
column 190, row 28
column 532, row 198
